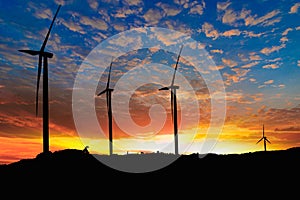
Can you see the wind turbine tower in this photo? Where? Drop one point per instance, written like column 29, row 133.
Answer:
column 173, row 89
column 264, row 138
column 43, row 58
column 108, row 92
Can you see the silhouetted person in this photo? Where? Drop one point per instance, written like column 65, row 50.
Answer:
column 85, row 150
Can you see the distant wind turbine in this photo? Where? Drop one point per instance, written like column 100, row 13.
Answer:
column 108, row 92
column 264, row 138
column 174, row 103
column 43, row 56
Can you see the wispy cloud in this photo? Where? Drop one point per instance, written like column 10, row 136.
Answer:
column 134, row 2
column 269, row 82
column 264, row 20
column 284, row 39
column 236, row 18
column 294, row 8
column 238, row 76
column 253, row 56
column 270, row 66
column 73, row 26
column 93, row 4
column 267, row 50
column 228, row 62
column 197, row 8
column 169, row 10
column 220, row 51
column 252, row 79
column 286, row 31
column 210, row 31
column 152, row 16
column 223, row 5
column 252, row 34
column 249, row 65
column 233, row 32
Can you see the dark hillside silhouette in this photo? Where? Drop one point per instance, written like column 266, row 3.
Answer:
column 79, row 165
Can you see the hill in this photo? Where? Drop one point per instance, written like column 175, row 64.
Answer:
column 74, row 167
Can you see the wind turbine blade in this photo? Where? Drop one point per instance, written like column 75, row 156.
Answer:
column 102, row 92
column 38, row 85
column 108, row 79
column 164, row 88
column 31, row 52
column 47, row 36
column 268, row 141
column 173, row 79
column 263, row 130
column 259, row 140
column 172, row 105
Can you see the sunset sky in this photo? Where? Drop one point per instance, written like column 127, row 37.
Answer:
column 254, row 46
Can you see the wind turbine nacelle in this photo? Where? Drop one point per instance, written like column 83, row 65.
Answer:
column 46, row 54
column 174, row 87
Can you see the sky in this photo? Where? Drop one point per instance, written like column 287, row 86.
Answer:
column 246, row 51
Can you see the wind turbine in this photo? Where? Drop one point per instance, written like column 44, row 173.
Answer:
column 108, row 92
column 173, row 89
column 43, row 57
column 264, row 138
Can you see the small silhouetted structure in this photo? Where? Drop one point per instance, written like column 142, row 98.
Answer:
column 85, row 150
column 264, row 138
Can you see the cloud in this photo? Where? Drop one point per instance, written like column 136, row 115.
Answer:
column 249, row 65
column 254, row 56
column 264, row 20
column 220, row 51
column 93, row 4
column 270, row 66
column 63, row 2
column 243, row 98
column 229, row 62
column 169, row 10
column 252, row 34
column 267, row 50
column 210, row 31
column 286, row 31
column 238, row 76
column 43, row 14
column 281, row 86
column 96, row 23
column 269, row 82
column 294, row 8
column 284, row 39
column 73, row 26
column 292, row 128
column 134, row 2
column 223, row 5
column 298, row 63
column 197, row 9
column 297, row 28
column 152, row 16
column 230, row 17
column 252, row 79
column 233, row 32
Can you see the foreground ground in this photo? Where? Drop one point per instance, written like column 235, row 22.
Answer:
column 74, row 168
